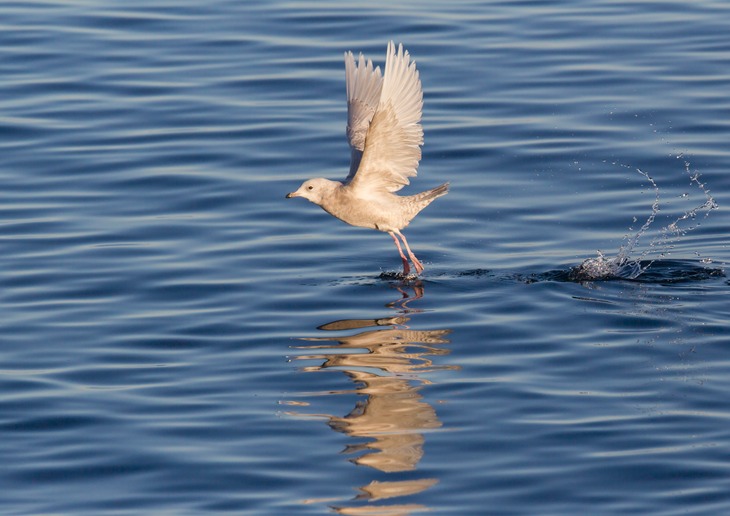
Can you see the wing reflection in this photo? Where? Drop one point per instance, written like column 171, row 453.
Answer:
column 386, row 363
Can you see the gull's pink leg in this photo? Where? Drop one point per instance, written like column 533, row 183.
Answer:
column 416, row 262
column 406, row 267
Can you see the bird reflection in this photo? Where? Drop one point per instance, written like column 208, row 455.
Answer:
column 386, row 360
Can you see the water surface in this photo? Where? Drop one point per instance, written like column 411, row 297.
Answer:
column 177, row 338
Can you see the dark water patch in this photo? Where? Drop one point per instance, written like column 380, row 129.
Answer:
column 678, row 271
column 662, row 272
column 649, row 271
column 478, row 273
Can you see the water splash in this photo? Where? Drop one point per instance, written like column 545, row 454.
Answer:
column 623, row 265
column 675, row 230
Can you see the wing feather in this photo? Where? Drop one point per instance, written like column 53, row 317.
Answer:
column 393, row 141
column 364, row 85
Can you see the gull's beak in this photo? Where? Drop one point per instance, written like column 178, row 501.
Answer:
column 292, row 194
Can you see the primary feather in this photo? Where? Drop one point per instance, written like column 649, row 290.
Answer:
column 393, row 141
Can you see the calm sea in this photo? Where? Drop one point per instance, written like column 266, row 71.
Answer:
column 176, row 338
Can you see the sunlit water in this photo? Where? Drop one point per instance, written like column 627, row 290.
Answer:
column 177, row 338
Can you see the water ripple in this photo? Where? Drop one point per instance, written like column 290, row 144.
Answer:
column 177, row 338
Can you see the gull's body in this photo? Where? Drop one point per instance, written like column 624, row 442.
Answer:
column 385, row 135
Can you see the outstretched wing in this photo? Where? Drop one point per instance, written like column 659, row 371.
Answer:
column 363, row 93
column 393, row 141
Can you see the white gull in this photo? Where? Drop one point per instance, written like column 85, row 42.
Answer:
column 385, row 135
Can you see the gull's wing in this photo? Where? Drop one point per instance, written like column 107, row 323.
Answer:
column 393, row 141
column 363, row 93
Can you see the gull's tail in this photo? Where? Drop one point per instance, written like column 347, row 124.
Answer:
column 430, row 195
column 420, row 200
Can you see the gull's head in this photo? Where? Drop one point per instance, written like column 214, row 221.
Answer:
column 315, row 190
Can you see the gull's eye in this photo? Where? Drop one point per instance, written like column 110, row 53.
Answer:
column 310, row 187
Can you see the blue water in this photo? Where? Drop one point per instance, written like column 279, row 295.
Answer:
column 177, row 338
